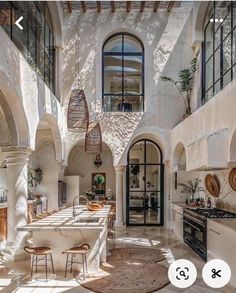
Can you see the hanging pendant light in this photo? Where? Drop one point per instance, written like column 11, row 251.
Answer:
column 78, row 114
column 93, row 139
column 98, row 161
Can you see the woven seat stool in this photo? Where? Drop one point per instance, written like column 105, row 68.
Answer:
column 72, row 252
column 38, row 254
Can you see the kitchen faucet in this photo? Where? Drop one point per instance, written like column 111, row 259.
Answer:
column 74, row 210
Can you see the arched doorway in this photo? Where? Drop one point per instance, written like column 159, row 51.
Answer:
column 145, row 184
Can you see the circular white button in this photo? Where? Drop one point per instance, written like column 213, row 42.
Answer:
column 216, row 273
column 182, row 273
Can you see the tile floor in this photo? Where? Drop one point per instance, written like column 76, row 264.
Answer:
column 15, row 277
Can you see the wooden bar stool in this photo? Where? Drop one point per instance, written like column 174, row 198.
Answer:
column 38, row 254
column 78, row 250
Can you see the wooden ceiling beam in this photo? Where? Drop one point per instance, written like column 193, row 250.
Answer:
column 170, row 6
column 69, row 6
column 113, row 7
column 83, row 6
column 99, row 7
column 128, row 6
column 142, row 6
column 156, row 6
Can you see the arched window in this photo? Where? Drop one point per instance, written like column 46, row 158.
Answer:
column 35, row 40
column 219, row 58
column 123, row 74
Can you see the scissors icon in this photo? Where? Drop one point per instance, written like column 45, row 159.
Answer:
column 215, row 273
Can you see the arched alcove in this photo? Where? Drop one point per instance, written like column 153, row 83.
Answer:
column 48, row 121
column 47, row 153
column 81, row 167
column 179, row 157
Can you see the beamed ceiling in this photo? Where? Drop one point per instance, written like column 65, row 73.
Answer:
column 84, row 6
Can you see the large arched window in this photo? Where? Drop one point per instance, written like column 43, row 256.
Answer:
column 219, row 58
column 123, row 74
column 35, row 40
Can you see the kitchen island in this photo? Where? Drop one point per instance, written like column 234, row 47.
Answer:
column 62, row 231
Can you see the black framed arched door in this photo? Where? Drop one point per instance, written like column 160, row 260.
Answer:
column 145, row 184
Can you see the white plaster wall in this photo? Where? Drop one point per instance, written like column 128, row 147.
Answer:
column 208, row 132
column 227, row 197
column 3, row 178
column 165, row 38
column 81, row 163
column 72, row 188
column 44, row 157
column 4, row 130
column 27, row 96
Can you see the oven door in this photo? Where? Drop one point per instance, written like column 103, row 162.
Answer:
column 195, row 236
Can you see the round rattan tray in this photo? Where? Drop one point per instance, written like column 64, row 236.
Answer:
column 212, row 185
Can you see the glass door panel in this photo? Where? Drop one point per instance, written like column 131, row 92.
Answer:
column 144, row 184
column 136, row 208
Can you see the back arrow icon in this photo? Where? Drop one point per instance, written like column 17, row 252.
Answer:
column 18, row 23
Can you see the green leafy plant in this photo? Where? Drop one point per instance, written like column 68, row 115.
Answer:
column 184, row 84
column 192, row 187
column 35, row 177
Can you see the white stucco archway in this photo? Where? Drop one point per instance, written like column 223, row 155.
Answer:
column 13, row 109
column 179, row 157
column 56, row 134
column 199, row 12
column 79, row 140
column 152, row 133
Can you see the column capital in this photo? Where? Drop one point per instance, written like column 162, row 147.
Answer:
column 167, row 163
column 59, row 46
column 16, row 155
column 119, row 168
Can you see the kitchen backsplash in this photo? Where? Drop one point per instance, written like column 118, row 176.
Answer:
column 227, row 197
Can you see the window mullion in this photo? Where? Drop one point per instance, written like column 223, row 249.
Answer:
column 221, row 58
column 213, row 67
column 231, row 35
column 122, row 79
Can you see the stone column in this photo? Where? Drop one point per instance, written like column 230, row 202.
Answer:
column 17, row 184
column 119, row 195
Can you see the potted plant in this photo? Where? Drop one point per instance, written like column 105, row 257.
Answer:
column 191, row 188
column 184, row 84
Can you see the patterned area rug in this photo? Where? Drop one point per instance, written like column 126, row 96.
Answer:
column 139, row 255
column 131, row 271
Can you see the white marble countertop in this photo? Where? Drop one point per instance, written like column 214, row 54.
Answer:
column 180, row 204
column 63, row 220
column 226, row 222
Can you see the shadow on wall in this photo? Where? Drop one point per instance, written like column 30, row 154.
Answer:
column 83, row 42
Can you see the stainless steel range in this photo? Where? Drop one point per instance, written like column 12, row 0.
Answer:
column 195, row 227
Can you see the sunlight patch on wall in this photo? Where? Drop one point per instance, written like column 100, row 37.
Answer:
column 169, row 38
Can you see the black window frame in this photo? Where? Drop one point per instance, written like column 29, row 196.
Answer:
column 160, row 191
column 44, row 72
column 212, row 89
column 122, row 54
